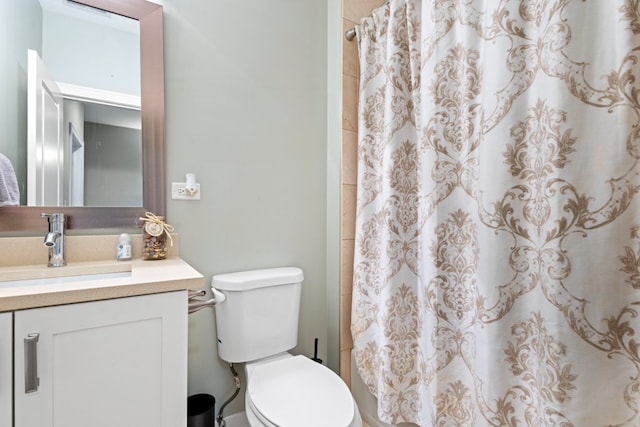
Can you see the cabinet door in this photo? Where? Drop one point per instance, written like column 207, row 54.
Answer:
column 119, row 362
column 6, row 368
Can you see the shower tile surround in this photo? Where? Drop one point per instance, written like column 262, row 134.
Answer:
column 352, row 11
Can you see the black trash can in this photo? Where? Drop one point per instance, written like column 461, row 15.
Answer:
column 201, row 410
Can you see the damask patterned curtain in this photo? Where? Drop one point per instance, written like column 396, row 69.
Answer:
column 497, row 258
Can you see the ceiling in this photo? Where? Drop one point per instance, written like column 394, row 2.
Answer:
column 87, row 13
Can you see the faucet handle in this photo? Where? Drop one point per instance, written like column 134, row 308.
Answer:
column 53, row 217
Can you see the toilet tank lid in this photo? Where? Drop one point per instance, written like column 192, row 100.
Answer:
column 245, row 280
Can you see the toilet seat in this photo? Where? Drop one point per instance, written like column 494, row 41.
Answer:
column 296, row 391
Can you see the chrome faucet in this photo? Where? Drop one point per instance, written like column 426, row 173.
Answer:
column 54, row 239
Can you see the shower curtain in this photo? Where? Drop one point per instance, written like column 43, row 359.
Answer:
column 497, row 252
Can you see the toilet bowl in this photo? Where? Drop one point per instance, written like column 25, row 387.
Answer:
column 257, row 324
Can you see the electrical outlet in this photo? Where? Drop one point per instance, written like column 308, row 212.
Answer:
column 179, row 192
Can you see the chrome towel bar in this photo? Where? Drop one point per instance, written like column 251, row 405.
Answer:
column 197, row 304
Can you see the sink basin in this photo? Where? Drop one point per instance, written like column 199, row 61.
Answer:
column 73, row 272
column 63, row 279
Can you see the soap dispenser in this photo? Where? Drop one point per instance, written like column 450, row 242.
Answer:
column 123, row 252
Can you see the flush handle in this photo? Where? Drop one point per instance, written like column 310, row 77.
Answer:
column 220, row 297
column 31, row 380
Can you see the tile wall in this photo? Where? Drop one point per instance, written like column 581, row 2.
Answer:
column 352, row 11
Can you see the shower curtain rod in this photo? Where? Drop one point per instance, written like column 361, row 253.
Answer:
column 350, row 34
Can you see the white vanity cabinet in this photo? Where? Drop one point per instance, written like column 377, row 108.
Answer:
column 6, row 369
column 119, row 362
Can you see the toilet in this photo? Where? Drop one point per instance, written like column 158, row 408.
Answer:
column 257, row 324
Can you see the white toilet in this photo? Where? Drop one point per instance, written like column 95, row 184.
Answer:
column 257, row 323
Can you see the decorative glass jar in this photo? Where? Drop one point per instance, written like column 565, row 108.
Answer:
column 155, row 234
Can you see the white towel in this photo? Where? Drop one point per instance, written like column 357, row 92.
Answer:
column 9, row 192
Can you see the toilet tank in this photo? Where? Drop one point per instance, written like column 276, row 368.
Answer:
column 259, row 315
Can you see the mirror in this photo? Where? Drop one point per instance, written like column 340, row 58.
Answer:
column 86, row 77
column 149, row 16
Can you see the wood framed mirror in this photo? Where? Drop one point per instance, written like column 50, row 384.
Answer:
column 149, row 15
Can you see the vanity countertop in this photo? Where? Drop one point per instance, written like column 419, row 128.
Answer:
column 147, row 277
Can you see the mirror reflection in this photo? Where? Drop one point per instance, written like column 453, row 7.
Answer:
column 83, row 144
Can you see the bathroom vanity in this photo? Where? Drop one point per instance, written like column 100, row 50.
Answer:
column 119, row 362
column 6, row 369
column 98, row 347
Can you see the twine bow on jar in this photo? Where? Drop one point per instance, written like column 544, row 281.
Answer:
column 156, row 225
column 155, row 233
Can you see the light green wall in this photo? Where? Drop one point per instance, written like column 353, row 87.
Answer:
column 246, row 95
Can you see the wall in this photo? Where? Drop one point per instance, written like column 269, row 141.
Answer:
column 246, row 112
